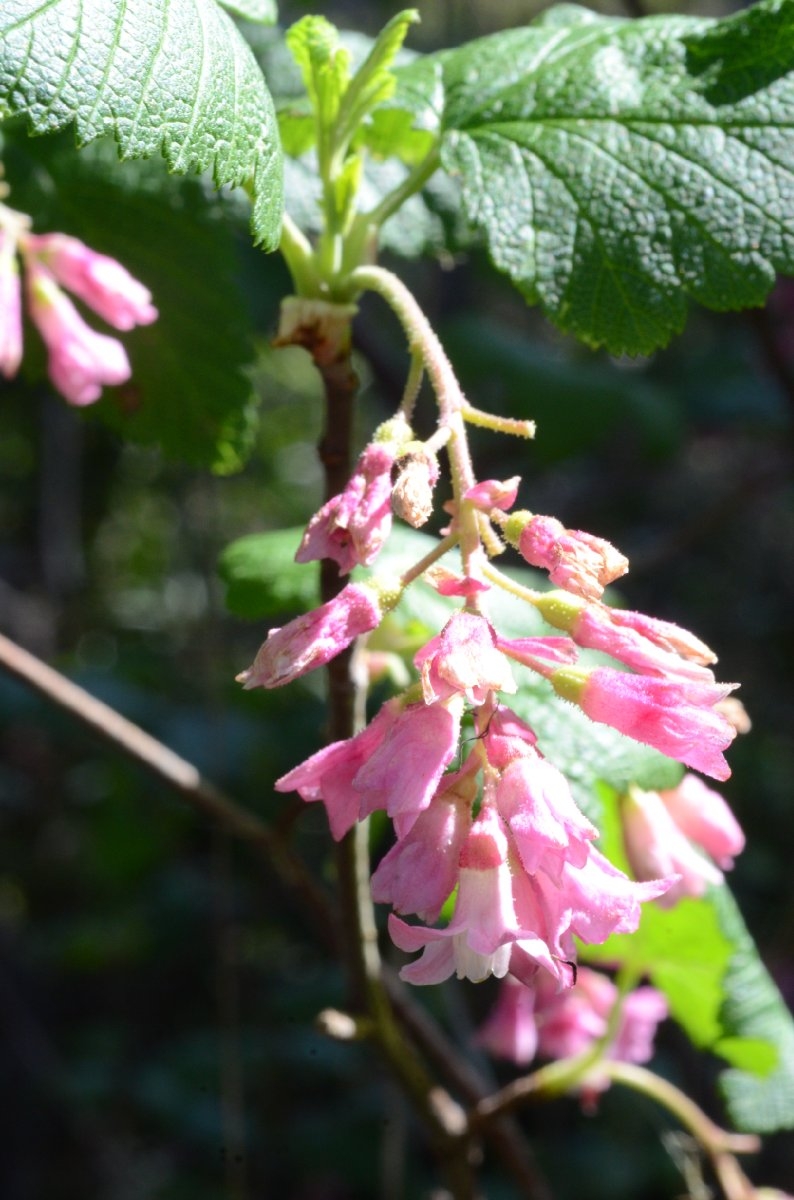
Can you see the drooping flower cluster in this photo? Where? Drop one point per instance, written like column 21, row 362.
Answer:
column 81, row 361
column 487, row 831
column 542, row 1020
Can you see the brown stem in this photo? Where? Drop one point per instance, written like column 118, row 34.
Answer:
column 326, row 333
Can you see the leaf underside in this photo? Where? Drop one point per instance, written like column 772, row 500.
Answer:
column 164, row 77
column 619, row 168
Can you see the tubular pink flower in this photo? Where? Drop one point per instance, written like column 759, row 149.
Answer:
column 643, row 1011
column 510, row 1030
column 10, row 307
column 447, row 583
column 328, row 775
column 404, row 771
column 538, row 653
column 649, row 646
column 535, row 801
column 315, row 638
column 483, row 926
column 81, row 360
column 102, row 283
column 463, row 659
column 676, row 716
column 506, row 737
column 494, row 493
column 591, row 902
column 351, row 527
column 576, row 561
column 704, row 817
column 421, row 870
column 656, row 846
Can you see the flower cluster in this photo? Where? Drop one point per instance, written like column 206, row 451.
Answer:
column 542, row 1020
column 487, row 831
column 81, row 361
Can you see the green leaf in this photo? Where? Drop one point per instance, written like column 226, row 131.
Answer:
column 374, row 82
column 324, row 65
column 701, row 956
column 618, row 168
column 173, row 77
column 755, row 1009
column 189, row 392
column 262, row 578
column 263, row 12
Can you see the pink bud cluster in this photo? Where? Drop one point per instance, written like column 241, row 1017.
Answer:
column 81, row 361
column 492, row 855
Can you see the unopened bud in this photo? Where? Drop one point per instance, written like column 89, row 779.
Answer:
column 412, row 495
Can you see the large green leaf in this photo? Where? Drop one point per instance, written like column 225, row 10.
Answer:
column 170, row 77
column 754, row 1009
column 189, row 393
column 617, row 168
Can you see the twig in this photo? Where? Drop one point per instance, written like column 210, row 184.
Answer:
column 125, row 736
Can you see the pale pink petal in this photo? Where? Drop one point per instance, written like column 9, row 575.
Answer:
column 404, row 772
column 702, row 814
column 100, row 281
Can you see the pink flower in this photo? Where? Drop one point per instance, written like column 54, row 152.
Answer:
column 535, row 801
column 570, row 1022
column 477, row 941
column 328, row 775
column 494, row 493
column 404, row 771
column 538, row 652
column 650, row 646
column 315, row 638
column 576, row 561
column 704, row 817
column 643, row 1010
column 510, row 1030
column 81, row 360
column 505, row 737
column 351, row 527
column 656, row 846
column 463, row 659
column 102, row 283
column 10, row 307
column 591, row 902
column 676, row 716
column 421, row 870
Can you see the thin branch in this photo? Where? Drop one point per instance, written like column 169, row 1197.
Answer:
column 128, row 738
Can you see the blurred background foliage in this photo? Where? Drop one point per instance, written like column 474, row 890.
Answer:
column 157, row 987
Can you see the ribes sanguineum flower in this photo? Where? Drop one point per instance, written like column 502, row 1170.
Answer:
column 535, row 801
column 477, row 941
column 315, row 638
column 421, row 869
column 705, row 818
column 351, row 527
column 80, row 360
column 577, row 561
column 463, row 659
column 677, row 717
column 659, row 829
column 98, row 280
column 646, row 644
column 510, row 1030
column 328, row 775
